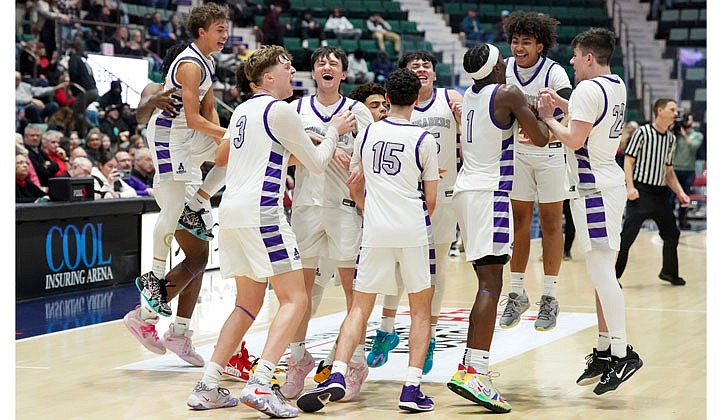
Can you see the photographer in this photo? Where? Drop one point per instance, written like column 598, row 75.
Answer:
column 107, row 179
column 688, row 141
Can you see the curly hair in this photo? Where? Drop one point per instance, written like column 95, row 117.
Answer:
column 362, row 92
column 263, row 59
column 203, row 16
column 403, row 87
column 170, row 55
column 416, row 55
column 538, row 25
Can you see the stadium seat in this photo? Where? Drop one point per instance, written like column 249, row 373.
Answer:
column 698, row 34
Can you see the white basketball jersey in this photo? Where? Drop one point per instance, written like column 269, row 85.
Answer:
column 395, row 156
column 328, row 189
column 256, row 169
column 545, row 73
column 487, row 146
column 436, row 117
column 600, row 101
column 191, row 54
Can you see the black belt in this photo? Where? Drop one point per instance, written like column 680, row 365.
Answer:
column 555, row 145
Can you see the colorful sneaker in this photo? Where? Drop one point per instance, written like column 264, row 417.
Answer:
column 330, row 390
column 296, row 374
column 355, row 376
column 267, row 400
column 240, row 365
column 275, row 382
column 412, row 399
column 144, row 331
column 549, row 310
column 181, row 345
column 204, row 398
column 322, row 372
column 516, row 305
column 154, row 292
column 478, row 389
column 596, row 364
column 620, row 369
column 427, row 367
column 381, row 346
column 193, row 222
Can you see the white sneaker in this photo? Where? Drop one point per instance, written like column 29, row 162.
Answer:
column 266, row 400
column 204, row 398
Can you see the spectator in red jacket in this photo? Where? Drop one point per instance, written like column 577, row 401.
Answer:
column 49, row 144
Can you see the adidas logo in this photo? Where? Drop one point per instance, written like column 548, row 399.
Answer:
column 181, row 169
column 297, row 256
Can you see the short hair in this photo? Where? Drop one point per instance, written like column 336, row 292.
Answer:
column 476, row 57
column 241, row 80
column 540, row 26
column 203, row 16
column 105, row 157
column 92, row 132
column 661, row 103
column 31, row 127
column 403, row 87
column 263, row 59
column 362, row 92
column 598, row 41
column 79, row 161
column 170, row 55
column 50, row 134
column 417, row 55
column 323, row 52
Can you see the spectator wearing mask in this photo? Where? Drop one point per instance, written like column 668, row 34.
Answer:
column 358, row 71
column 142, row 173
column 25, row 190
column 44, row 166
column 381, row 30
column 107, row 179
column 338, row 26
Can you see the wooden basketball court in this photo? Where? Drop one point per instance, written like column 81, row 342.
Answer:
column 74, row 374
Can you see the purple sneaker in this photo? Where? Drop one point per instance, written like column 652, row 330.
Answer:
column 332, row 389
column 412, row 399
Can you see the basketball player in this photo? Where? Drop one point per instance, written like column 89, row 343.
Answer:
column 324, row 218
column 181, row 141
column 438, row 111
column 596, row 118
column 540, row 172
column 396, row 158
column 256, row 241
column 371, row 95
column 493, row 113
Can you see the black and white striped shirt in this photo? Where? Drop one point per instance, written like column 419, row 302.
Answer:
column 652, row 151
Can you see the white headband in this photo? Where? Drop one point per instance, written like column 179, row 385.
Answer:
column 484, row 71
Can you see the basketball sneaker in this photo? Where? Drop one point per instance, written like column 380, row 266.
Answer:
column 154, row 292
column 239, row 366
column 549, row 310
column 516, row 305
column 355, row 376
column 322, row 372
column 330, row 390
column 267, row 400
column 275, row 383
column 597, row 362
column 181, row 345
column 296, row 374
column 429, row 357
column 412, row 399
column 193, row 222
column 204, row 398
column 381, row 346
column 620, row 369
column 144, row 331
column 479, row 389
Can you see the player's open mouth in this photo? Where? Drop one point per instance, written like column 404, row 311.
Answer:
column 328, row 77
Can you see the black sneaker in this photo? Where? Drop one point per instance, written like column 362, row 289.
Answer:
column 676, row 281
column 192, row 222
column 597, row 363
column 620, row 369
column 154, row 292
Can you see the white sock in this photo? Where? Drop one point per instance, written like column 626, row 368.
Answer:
column 358, row 357
column 181, row 325
column 517, row 280
column 478, row 359
column 146, row 312
column 414, row 376
column 264, row 372
column 197, row 202
column 618, row 342
column 158, row 268
column 339, row 367
column 298, row 350
column 212, row 374
column 433, row 330
column 600, row 268
column 603, row 341
column 330, row 357
column 387, row 324
column 549, row 285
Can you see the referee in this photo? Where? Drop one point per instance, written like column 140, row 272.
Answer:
column 650, row 177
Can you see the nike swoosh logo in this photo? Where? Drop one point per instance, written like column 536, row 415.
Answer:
column 205, row 398
column 257, row 392
column 621, row 373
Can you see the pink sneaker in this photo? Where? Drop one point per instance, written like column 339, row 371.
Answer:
column 296, row 374
column 181, row 345
column 144, row 331
column 355, row 376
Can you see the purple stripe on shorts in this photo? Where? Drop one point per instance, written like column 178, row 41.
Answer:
column 505, row 185
column 279, row 255
column 161, row 144
column 165, row 167
column 597, row 232
column 500, row 207
column 273, row 172
column 592, row 202
column 584, row 164
column 581, row 152
column 433, row 269
column 507, row 154
column 586, row 178
column 506, row 170
column 501, row 238
column 271, row 187
column 268, row 229
column 596, row 217
column 161, row 122
column 162, row 154
column 432, row 253
column 275, row 240
column 275, row 158
column 268, row 201
column 501, row 222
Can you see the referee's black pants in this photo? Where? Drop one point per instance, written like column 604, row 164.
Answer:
column 654, row 203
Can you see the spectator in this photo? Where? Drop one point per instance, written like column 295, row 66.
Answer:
column 156, row 28
column 307, row 27
column 80, row 167
column 382, row 66
column 29, row 22
column 338, row 26
column 62, row 120
column 381, row 30
column 30, row 97
column 72, row 9
column 650, row 177
column 124, row 163
column 142, row 174
column 100, row 13
column 120, row 40
column 657, row 6
column 176, row 29
column 20, row 149
column 64, row 97
column 50, row 140
column 107, row 179
column 77, row 152
column 105, row 141
column 627, row 131
column 94, row 148
column 44, row 166
column 159, row 4
column 688, row 142
column 473, row 29
column 73, row 140
column 499, row 34
column 358, row 71
column 28, row 59
column 114, row 126
column 129, row 119
column 50, row 21
column 25, row 191
column 112, row 97
column 81, row 75
column 273, row 29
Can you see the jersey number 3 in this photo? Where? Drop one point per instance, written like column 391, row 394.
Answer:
column 385, row 159
column 240, row 138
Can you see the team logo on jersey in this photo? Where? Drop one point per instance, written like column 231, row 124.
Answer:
column 297, row 256
column 181, row 169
